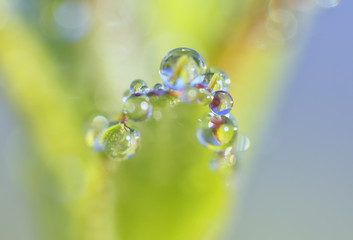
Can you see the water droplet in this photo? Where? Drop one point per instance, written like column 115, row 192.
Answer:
column 217, row 132
column 138, row 87
column 189, row 94
column 222, row 103
column 216, row 80
column 94, row 134
column 204, row 96
column 120, row 141
column 157, row 90
column 158, row 87
column 242, row 144
column 181, row 67
column 138, row 108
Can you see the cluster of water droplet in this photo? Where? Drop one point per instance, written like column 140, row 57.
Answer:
column 186, row 79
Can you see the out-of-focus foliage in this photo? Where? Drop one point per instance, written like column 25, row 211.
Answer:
column 64, row 62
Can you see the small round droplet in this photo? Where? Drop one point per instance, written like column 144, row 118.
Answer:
column 204, row 96
column 94, row 134
column 189, row 94
column 138, row 108
column 182, row 67
column 217, row 132
column 120, row 141
column 157, row 90
column 138, row 87
column 158, row 87
column 222, row 103
column 216, row 80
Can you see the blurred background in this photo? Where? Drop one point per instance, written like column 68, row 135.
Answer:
column 63, row 62
column 300, row 186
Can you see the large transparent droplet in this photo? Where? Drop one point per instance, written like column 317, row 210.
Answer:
column 182, row 67
column 222, row 103
column 138, row 108
column 217, row 132
column 216, row 80
column 94, row 134
column 138, row 87
column 120, row 141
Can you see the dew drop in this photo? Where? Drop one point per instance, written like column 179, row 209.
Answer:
column 158, row 87
column 138, row 108
column 216, row 80
column 222, row 103
column 138, row 87
column 182, row 67
column 120, row 141
column 157, row 90
column 217, row 132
